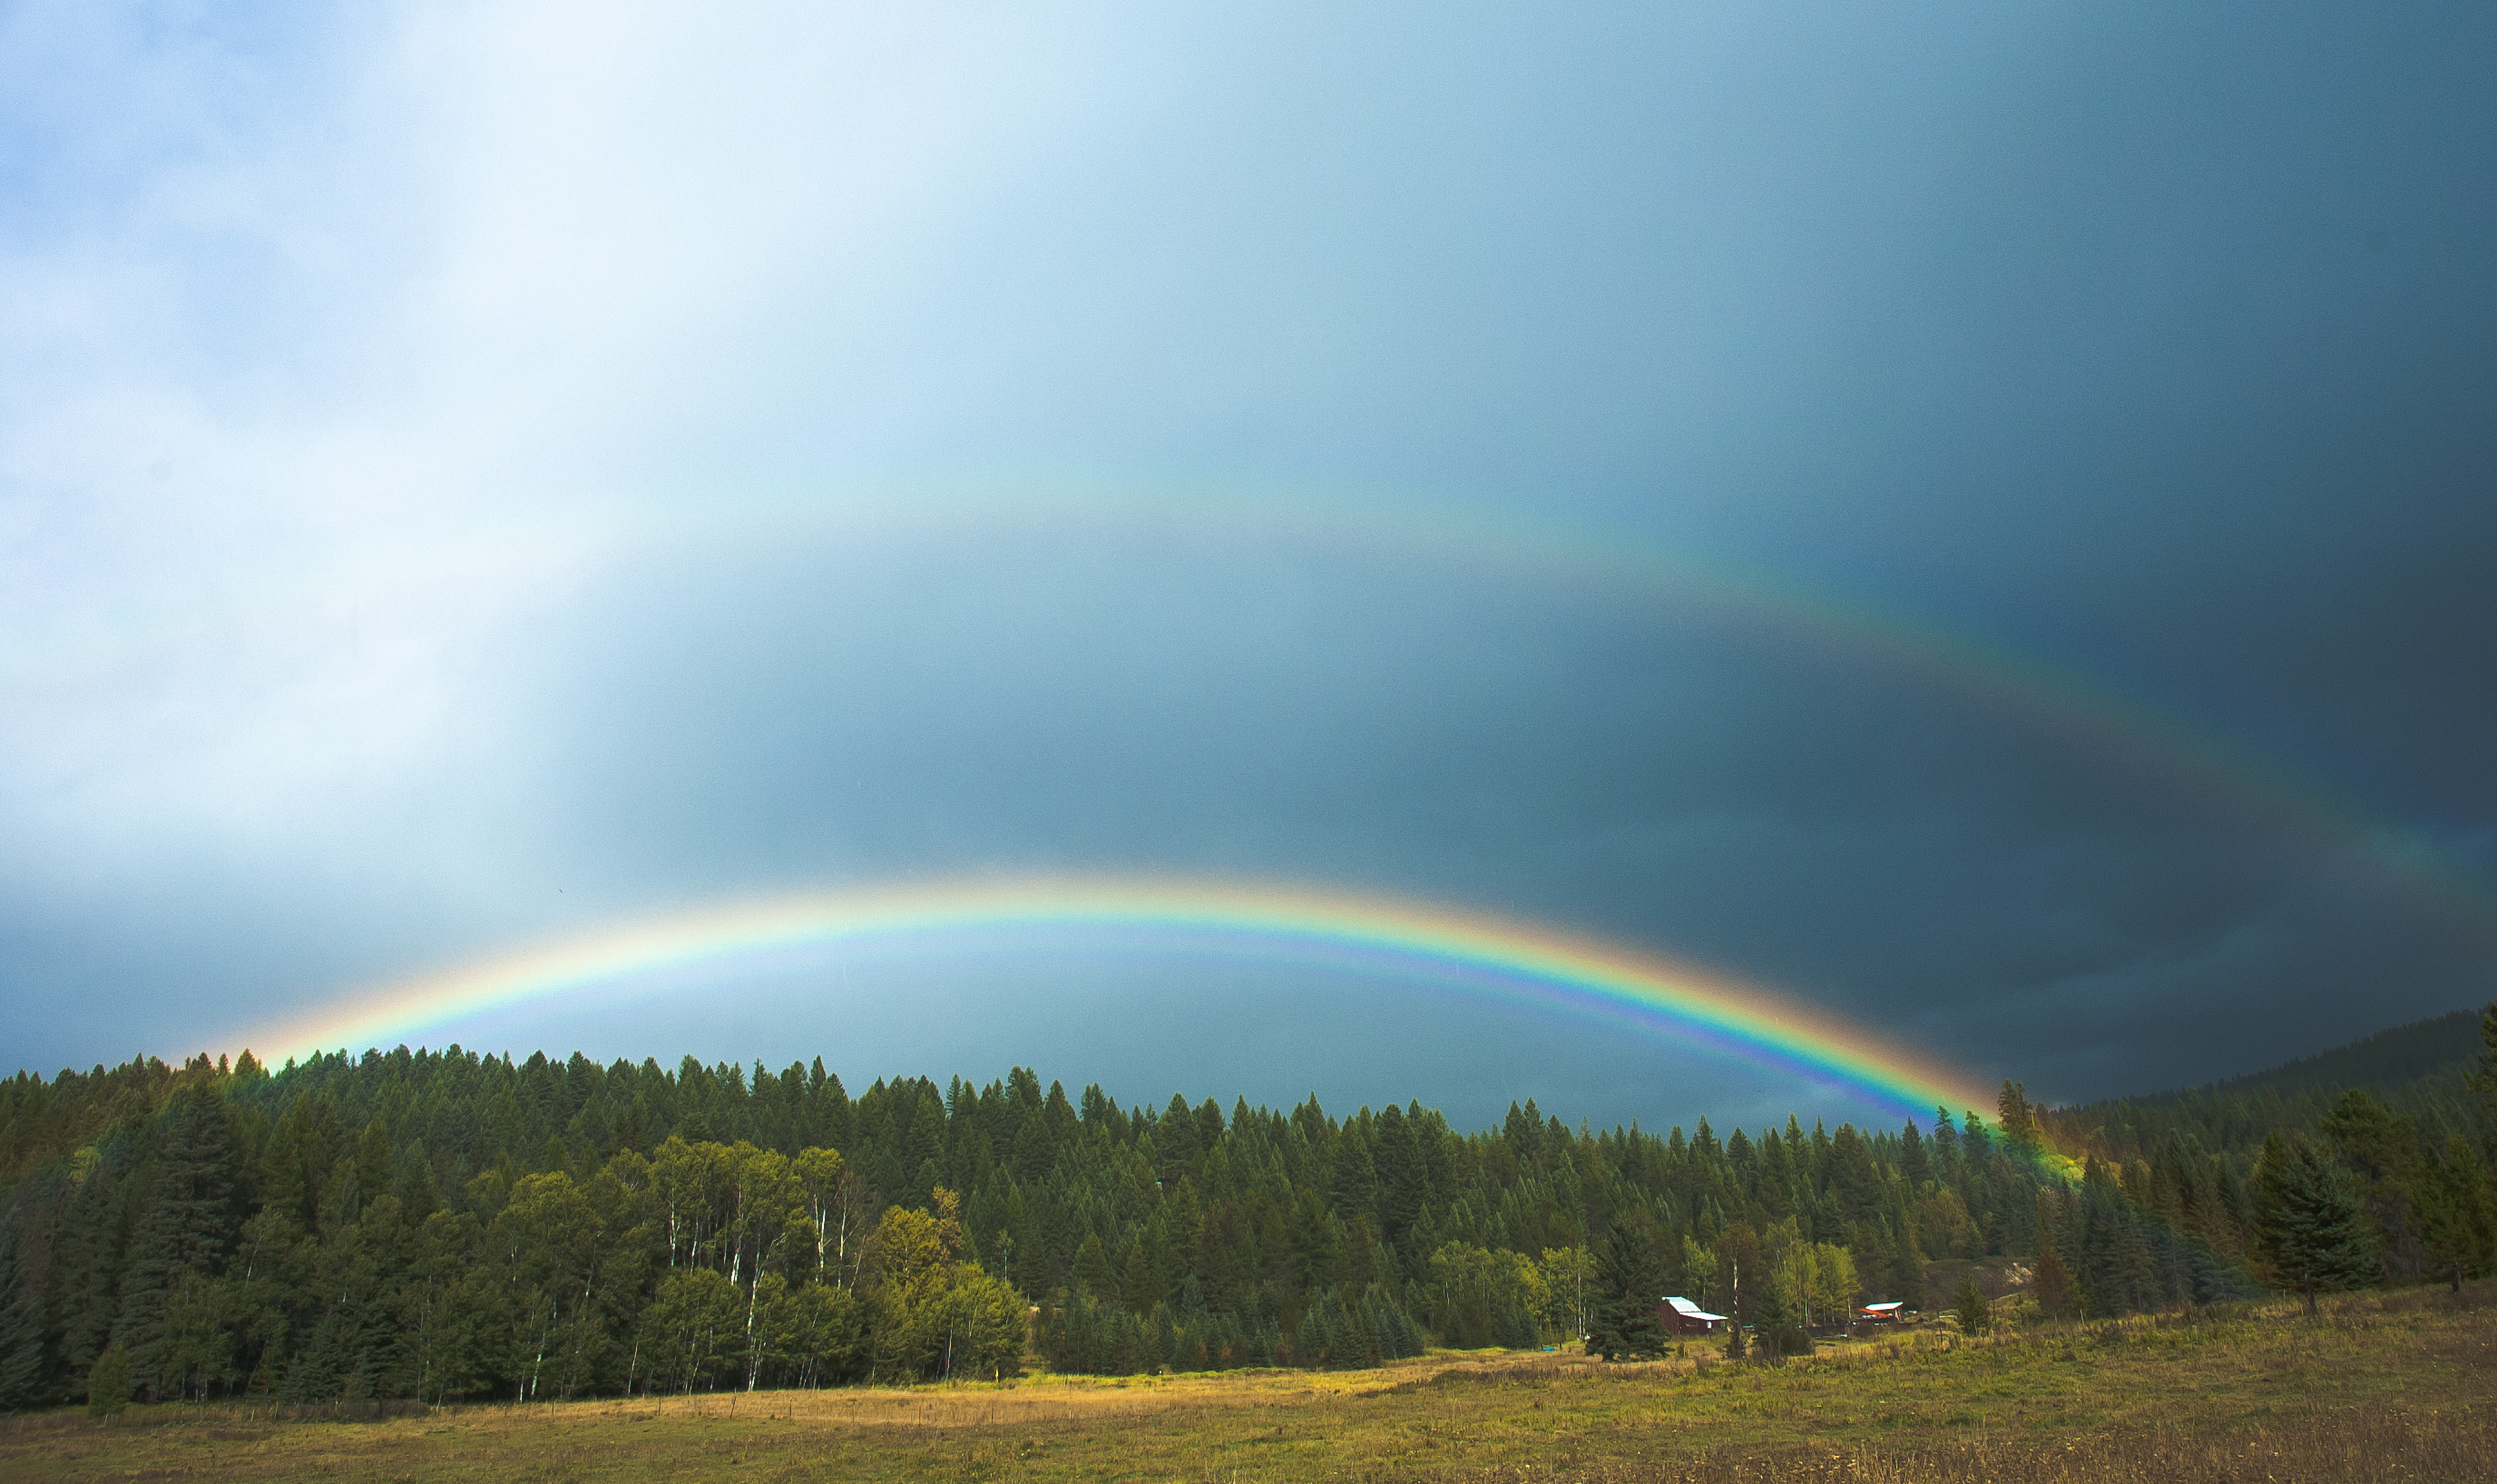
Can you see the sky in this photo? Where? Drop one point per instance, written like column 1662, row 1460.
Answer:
column 1973, row 518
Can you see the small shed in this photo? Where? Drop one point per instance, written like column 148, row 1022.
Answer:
column 1681, row 1316
column 1879, row 1313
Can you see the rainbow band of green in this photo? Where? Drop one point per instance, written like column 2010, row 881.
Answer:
column 1462, row 951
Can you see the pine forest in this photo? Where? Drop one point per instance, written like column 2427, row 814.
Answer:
column 445, row 1225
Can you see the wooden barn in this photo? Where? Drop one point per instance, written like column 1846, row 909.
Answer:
column 1681, row 1316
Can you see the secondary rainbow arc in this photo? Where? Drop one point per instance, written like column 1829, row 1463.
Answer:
column 2193, row 759
column 2197, row 762
column 1462, row 951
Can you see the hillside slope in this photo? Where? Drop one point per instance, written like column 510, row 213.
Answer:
column 2417, row 1069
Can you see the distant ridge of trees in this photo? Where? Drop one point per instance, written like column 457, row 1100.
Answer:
column 2416, row 1069
column 444, row 1224
column 2405, row 1054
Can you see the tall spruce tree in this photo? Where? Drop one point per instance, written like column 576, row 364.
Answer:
column 2380, row 1150
column 1911, row 1156
column 86, row 1252
column 2308, row 1225
column 1776, row 1330
column 1622, row 1323
column 2019, row 1119
column 183, row 1232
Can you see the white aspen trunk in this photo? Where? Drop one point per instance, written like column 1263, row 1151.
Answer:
column 753, row 1355
column 546, row 1330
column 841, row 1246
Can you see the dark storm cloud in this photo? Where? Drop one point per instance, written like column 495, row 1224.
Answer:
column 1958, row 878
column 2152, row 344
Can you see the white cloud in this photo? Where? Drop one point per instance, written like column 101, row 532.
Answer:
column 330, row 367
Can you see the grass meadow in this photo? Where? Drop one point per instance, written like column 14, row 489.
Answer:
column 2385, row 1386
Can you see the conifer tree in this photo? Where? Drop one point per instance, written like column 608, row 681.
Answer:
column 1907, row 1276
column 2124, row 1268
column 373, row 1162
column 2380, row 1150
column 2053, row 1286
column 1621, row 1322
column 1327, row 1336
column 2308, row 1226
column 418, row 1196
column 1314, row 1242
column 2457, row 1207
column 1393, row 1332
column 1093, row 1276
column 2019, row 1120
column 86, row 1252
column 184, row 1232
column 1946, row 1145
column 1776, row 1330
column 1976, row 1316
column 1911, row 1156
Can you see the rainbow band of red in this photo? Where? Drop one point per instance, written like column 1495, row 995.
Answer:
column 1465, row 952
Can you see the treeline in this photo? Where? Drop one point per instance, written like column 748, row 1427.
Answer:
column 440, row 1225
column 445, row 1224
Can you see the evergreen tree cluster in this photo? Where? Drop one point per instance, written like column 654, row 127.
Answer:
column 2289, row 1179
column 447, row 1224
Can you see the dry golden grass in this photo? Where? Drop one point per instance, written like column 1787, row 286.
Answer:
column 2396, row 1386
column 2377, row 1446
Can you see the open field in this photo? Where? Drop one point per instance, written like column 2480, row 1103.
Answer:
column 2394, row 1386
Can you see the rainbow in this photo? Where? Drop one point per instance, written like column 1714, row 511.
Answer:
column 1465, row 951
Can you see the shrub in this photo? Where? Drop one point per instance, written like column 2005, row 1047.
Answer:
column 108, row 1385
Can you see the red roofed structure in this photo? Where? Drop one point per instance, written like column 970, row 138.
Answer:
column 1681, row 1316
